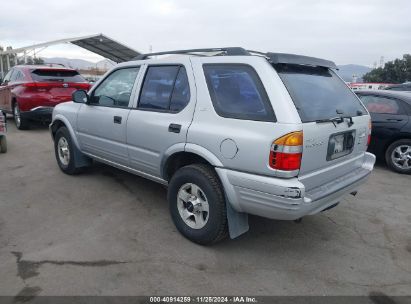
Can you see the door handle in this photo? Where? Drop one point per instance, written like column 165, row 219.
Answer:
column 394, row 119
column 117, row 120
column 174, row 128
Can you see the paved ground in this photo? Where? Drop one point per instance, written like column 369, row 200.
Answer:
column 107, row 232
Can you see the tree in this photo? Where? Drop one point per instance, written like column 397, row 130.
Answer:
column 31, row 60
column 396, row 71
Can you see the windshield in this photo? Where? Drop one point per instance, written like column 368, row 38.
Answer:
column 318, row 93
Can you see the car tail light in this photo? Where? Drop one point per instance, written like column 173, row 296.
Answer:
column 286, row 152
column 43, row 86
column 38, row 86
column 369, row 133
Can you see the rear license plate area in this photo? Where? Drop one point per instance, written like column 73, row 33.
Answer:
column 340, row 144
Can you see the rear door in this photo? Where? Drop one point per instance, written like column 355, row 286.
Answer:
column 333, row 146
column 162, row 115
column 388, row 117
column 101, row 124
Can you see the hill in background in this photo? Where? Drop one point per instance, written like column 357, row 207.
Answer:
column 81, row 64
column 347, row 71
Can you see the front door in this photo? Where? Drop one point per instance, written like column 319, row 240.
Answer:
column 101, row 124
column 162, row 116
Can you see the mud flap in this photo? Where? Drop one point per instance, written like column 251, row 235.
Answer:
column 237, row 222
column 80, row 159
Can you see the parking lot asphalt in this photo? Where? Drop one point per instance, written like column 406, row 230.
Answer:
column 107, row 232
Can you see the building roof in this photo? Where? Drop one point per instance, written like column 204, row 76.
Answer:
column 99, row 44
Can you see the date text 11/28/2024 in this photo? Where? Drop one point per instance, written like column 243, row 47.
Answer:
column 205, row 299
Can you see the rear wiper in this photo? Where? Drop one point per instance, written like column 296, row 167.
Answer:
column 336, row 120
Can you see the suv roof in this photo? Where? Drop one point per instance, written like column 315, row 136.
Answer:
column 34, row 67
column 403, row 95
column 274, row 58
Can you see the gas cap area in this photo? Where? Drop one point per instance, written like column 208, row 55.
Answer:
column 228, row 148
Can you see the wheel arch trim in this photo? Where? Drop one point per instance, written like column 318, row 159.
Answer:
column 65, row 121
column 189, row 148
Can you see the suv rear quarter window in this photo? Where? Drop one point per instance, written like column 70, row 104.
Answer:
column 237, row 92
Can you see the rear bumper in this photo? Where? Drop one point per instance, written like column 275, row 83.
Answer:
column 38, row 113
column 286, row 199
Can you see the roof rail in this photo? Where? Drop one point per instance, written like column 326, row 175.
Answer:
column 228, row 51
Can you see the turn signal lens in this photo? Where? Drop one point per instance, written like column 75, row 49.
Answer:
column 290, row 139
column 286, row 152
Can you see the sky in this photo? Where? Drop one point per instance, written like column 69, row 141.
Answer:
column 357, row 32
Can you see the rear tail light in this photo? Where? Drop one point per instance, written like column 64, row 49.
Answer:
column 369, row 133
column 43, row 86
column 37, row 86
column 286, row 152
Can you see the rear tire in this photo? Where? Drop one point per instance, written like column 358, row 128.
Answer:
column 64, row 151
column 197, row 204
column 21, row 123
column 3, row 144
column 398, row 156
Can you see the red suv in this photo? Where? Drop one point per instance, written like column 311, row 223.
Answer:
column 31, row 92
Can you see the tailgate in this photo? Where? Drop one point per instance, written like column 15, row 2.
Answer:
column 335, row 123
column 332, row 150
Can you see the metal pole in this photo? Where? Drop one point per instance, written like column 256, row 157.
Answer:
column 1, row 67
column 8, row 62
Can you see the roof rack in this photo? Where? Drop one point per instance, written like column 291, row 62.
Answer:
column 228, row 51
column 274, row 58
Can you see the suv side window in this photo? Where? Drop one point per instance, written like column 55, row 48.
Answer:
column 381, row 105
column 165, row 88
column 115, row 90
column 237, row 92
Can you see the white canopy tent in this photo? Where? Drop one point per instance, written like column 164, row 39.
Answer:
column 99, row 44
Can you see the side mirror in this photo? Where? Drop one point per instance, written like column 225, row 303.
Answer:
column 80, row 96
column 4, row 83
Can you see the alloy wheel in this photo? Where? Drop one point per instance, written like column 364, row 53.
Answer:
column 63, row 151
column 401, row 157
column 192, row 205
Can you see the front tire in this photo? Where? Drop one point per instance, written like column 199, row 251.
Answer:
column 64, row 151
column 21, row 123
column 197, row 204
column 398, row 156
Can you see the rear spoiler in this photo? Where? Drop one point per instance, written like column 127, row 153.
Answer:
column 276, row 58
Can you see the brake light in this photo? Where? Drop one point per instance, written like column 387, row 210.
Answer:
column 286, row 152
column 369, row 133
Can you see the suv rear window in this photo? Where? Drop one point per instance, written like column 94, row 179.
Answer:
column 49, row 75
column 165, row 88
column 237, row 92
column 318, row 93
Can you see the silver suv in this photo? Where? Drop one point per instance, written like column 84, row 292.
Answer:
column 231, row 132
